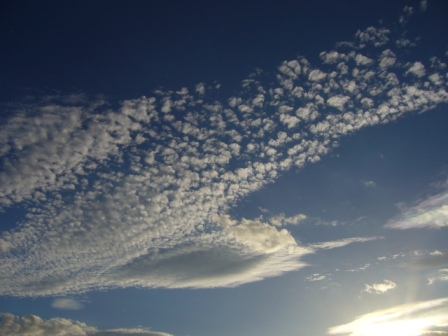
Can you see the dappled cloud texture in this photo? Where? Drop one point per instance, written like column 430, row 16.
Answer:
column 140, row 195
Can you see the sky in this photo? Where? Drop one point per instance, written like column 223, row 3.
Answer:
column 197, row 168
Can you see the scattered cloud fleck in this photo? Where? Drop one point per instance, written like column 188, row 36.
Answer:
column 380, row 288
column 65, row 303
column 316, row 277
column 440, row 276
column 369, row 184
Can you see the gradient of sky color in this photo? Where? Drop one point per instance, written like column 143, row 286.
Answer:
column 224, row 168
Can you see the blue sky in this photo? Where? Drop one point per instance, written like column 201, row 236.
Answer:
column 224, row 168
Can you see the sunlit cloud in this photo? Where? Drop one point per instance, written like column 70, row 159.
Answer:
column 380, row 288
column 140, row 195
column 32, row 325
column 342, row 242
column 430, row 213
column 411, row 319
column 316, row 277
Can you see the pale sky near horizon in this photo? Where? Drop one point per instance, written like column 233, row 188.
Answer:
column 196, row 168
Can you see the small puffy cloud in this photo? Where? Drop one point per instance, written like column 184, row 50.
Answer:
column 363, row 60
column 411, row 319
column 32, row 325
column 64, row 303
column 373, row 35
column 417, row 69
column 200, row 88
column 258, row 235
column 316, row 75
column 316, row 277
column 369, row 184
column 380, row 288
column 440, row 276
column 423, row 5
column 338, row 101
column 331, row 57
column 387, row 59
column 430, row 213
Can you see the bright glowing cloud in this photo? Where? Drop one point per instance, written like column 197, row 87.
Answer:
column 412, row 319
column 430, row 213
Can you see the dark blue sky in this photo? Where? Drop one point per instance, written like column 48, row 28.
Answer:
column 104, row 47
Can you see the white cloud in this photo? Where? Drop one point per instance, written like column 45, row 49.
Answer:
column 369, row 184
column 136, row 196
column 423, row 5
column 341, row 243
column 380, row 288
column 64, row 303
column 316, row 277
column 417, row 69
column 32, row 325
column 411, row 319
column 430, row 213
column 363, row 60
column 338, row 101
column 11, row 325
column 387, row 59
column 374, row 36
column 316, row 75
column 440, row 276
column 257, row 235
column 281, row 219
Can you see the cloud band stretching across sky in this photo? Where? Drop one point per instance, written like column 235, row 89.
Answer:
column 140, row 195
